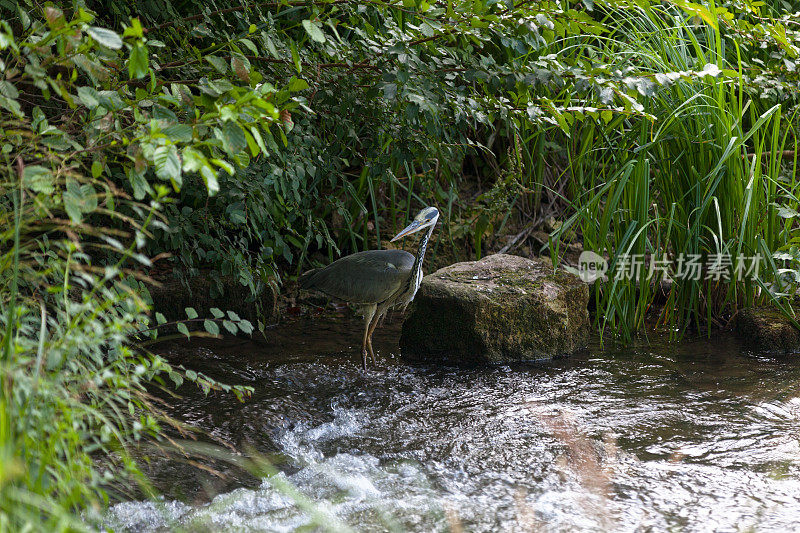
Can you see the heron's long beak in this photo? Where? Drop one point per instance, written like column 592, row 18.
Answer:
column 411, row 228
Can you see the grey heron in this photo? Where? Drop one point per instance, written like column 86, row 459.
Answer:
column 376, row 279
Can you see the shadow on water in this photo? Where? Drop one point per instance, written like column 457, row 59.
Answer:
column 698, row 436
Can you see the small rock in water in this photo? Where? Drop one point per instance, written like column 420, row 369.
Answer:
column 767, row 329
column 500, row 309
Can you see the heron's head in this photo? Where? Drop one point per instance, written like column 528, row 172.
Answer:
column 427, row 217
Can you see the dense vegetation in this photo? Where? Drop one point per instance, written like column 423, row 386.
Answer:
column 249, row 139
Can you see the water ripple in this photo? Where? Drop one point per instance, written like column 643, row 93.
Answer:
column 694, row 438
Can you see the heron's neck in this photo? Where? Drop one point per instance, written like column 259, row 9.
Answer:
column 421, row 253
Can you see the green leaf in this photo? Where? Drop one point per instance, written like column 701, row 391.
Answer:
column 88, row 198
column 427, row 30
column 111, row 100
column 193, row 160
column 72, row 203
column 297, row 84
column 11, row 105
column 97, row 169
column 221, row 163
column 232, row 137
column 210, row 179
column 89, row 97
column 214, row 88
column 138, row 63
column 218, row 63
column 228, row 113
column 250, row 45
column 79, row 199
column 699, row 11
column 246, row 326
column 168, row 164
column 105, row 37
column 237, row 216
column 134, row 30
column 163, row 113
column 38, row 179
column 230, row 326
column 314, row 31
column 174, row 376
column 160, row 318
column 390, row 91
column 211, row 327
column 271, row 47
column 217, row 313
column 7, row 37
column 138, row 183
column 191, row 375
column 259, row 140
column 8, row 89
column 183, row 329
column 251, row 143
column 178, row 133
column 190, row 312
column 296, row 58
column 233, row 316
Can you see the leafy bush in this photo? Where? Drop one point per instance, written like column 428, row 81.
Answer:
column 92, row 143
column 397, row 98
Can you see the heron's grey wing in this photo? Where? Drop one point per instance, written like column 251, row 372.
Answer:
column 364, row 277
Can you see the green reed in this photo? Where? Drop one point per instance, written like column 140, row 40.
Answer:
column 699, row 178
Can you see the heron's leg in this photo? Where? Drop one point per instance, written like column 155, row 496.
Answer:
column 371, row 352
column 378, row 314
column 370, row 329
column 368, row 316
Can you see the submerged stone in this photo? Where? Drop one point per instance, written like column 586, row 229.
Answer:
column 768, row 330
column 500, row 309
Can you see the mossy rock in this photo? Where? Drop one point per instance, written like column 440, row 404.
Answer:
column 767, row 330
column 171, row 298
column 500, row 309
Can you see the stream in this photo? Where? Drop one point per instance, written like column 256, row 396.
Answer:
column 696, row 436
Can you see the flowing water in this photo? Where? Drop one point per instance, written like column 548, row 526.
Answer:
column 693, row 437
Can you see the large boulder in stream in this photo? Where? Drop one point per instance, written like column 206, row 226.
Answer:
column 500, row 309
